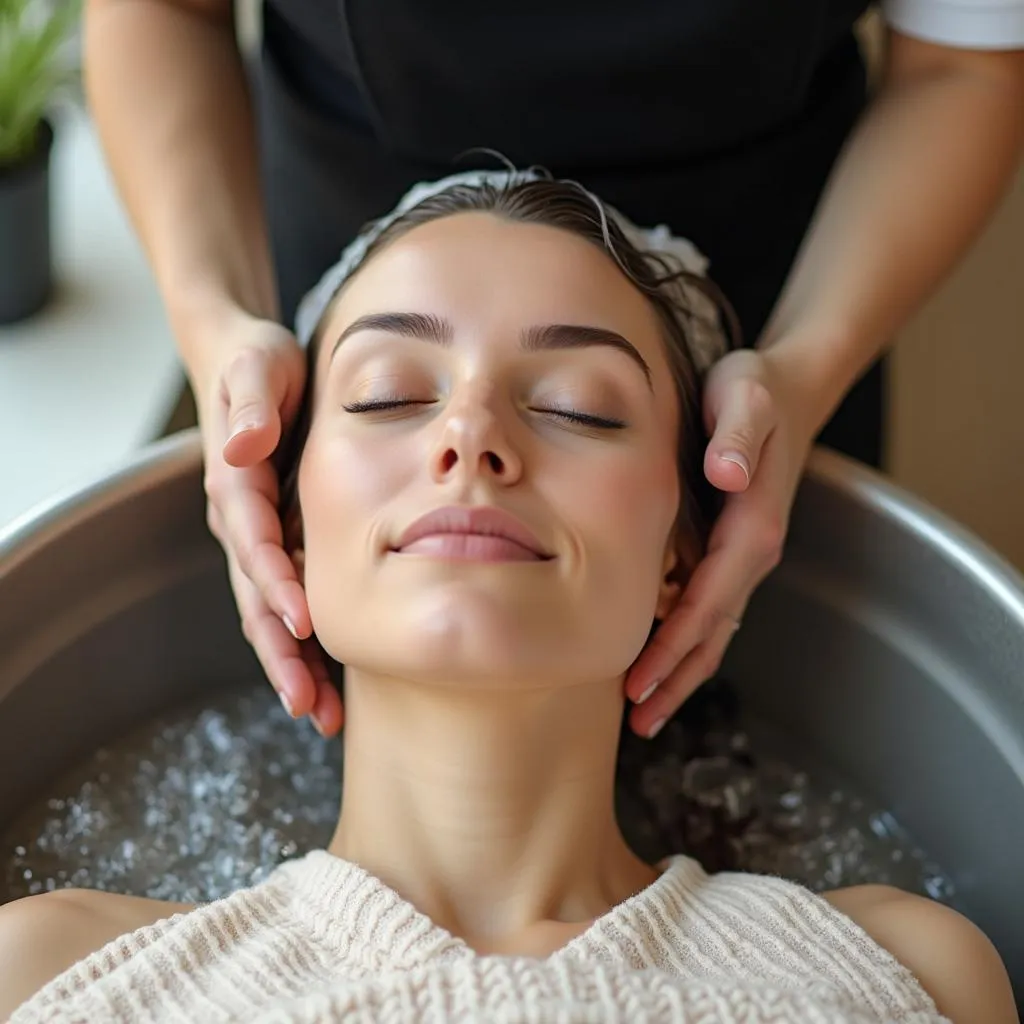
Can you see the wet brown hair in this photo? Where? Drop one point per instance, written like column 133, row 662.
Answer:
column 567, row 205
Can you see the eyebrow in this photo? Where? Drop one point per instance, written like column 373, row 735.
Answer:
column 409, row 325
column 544, row 338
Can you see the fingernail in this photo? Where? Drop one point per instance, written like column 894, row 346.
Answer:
column 241, row 428
column 290, row 626
column 656, row 728
column 650, row 689
column 316, row 725
column 286, row 702
column 737, row 460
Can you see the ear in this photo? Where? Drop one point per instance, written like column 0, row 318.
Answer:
column 681, row 556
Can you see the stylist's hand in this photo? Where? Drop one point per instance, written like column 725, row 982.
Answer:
column 246, row 398
column 760, row 439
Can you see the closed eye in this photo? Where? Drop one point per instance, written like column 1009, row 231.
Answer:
column 385, row 404
column 583, row 419
column 573, row 416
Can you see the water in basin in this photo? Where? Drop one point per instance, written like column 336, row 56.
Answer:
column 213, row 795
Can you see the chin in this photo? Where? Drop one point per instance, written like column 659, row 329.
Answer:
column 462, row 634
column 456, row 634
column 473, row 629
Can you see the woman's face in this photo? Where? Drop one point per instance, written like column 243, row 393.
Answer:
column 508, row 379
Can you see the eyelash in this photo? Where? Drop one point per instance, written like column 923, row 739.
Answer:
column 381, row 404
column 582, row 419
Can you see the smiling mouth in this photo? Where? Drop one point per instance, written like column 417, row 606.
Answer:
column 471, row 534
column 470, row 547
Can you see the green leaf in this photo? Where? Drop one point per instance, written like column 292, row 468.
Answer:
column 32, row 33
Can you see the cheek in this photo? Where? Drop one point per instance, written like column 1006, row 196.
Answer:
column 632, row 506
column 345, row 485
column 622, row 518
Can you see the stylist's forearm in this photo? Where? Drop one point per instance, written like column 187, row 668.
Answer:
column 167, row 89
column 920, row 177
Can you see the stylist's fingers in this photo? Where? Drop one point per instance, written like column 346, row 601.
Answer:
column 327, row 714
column 254, row 388
column 279, row 652
column 255, row 535
column 296, row 669
column 740, row 415
column 758, row 446
column 243, row 516
column 743, row 548
column 716, row 593
column 696, row 668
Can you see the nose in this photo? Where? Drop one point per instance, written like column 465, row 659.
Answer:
column 474, row 440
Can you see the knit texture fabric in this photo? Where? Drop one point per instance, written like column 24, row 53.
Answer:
column 321, row 940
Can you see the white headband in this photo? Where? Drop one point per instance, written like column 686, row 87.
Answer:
column 705, row 329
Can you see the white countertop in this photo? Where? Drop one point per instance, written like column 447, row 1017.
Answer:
column 95, row 374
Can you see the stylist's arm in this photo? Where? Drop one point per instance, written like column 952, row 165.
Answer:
column 167, row 89
column 918, row 179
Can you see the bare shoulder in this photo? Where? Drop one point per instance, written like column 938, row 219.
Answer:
column 952, row 958
column 41, row 936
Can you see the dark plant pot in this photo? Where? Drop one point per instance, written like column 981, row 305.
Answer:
column 25, row 260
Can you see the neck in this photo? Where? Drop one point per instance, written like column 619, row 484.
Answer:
column 492, row 813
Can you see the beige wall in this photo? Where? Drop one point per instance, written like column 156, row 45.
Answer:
column 957, row 403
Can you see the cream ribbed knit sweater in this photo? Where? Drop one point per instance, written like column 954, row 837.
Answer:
column 321, row 940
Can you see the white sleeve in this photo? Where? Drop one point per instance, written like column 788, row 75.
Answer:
column 971, row 24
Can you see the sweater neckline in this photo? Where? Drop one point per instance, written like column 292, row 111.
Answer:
column 357, row 909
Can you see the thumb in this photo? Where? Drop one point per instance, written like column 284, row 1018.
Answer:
column 253, row 401
column 746, row 416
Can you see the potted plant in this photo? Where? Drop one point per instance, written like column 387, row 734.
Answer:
column 32, row 69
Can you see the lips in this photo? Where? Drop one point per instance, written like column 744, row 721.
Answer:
column 472, row 533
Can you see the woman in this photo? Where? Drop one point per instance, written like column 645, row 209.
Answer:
column 497, row 492
column 732, row 118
